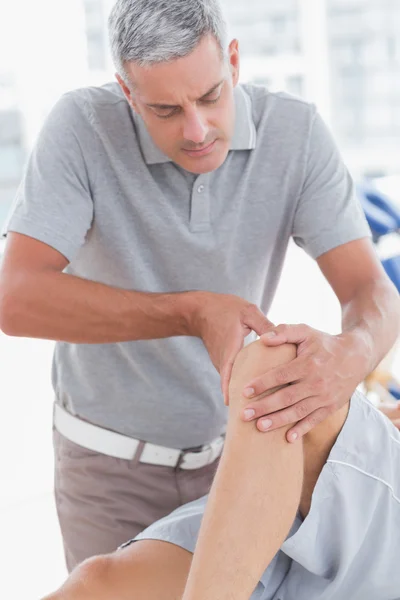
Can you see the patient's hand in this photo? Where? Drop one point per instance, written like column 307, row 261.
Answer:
column 392, row 412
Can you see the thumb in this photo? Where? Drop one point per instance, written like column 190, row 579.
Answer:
column 285, row 334
column 226, row 374
column 228, row 362
column 258, row 322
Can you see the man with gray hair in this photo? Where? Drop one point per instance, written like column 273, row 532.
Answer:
column 148, row 239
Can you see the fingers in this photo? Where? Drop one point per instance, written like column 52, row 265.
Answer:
column 282, row 399
column 229, row 361
column 283, row 418
column 256, row 320
column 289, row 334
column 226, row 375
column 304, row 426
column 278, row 376
column 306, row 414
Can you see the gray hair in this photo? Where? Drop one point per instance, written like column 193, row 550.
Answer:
column 153, row 31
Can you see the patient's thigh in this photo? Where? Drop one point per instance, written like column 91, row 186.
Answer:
column 152, row 570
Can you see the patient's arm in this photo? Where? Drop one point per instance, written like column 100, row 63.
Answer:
column 254, row 497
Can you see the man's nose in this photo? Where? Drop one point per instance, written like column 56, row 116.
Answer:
column 195, row 129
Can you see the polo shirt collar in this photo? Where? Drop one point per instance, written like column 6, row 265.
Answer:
column 244, row 136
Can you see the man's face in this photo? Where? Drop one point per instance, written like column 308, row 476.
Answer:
column 188, row 104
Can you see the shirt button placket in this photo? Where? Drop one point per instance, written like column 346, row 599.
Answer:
column 200, row 211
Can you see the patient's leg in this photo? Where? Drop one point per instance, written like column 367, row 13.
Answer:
column 256, row 492
column 254, row 497
column 252, row 504
column 146, row 570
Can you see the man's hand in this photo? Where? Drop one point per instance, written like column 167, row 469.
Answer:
column 223, row 321
column 322, row 378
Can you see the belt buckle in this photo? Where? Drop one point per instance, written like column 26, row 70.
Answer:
column 197, row 460
column 216, row 448
column 208, row 455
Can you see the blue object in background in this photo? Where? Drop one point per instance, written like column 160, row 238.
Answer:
column 392, row 268
column 383, row 217
column 370, row 193
column 380, row 222
column 394, row 390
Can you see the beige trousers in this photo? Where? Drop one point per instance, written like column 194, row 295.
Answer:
column 103, row 501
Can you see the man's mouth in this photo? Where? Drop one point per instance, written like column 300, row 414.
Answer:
column 201, row 151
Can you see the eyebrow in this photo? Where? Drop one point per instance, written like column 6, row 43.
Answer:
column 176, row 106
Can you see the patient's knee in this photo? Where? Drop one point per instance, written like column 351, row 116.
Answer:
column 94, row 572
column 89, row 580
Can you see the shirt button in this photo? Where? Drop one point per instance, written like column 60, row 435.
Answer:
column 201, row 189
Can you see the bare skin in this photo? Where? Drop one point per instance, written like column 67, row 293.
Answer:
column 240, row 532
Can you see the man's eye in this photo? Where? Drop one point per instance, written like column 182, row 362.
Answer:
column 167, row 115
column 212, row 101
column 176, row 110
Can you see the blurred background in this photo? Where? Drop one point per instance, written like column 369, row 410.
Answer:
column 344, row 55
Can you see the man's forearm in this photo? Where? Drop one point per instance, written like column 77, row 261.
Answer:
column 372, row 319
column 253, row 500
column 58, row 306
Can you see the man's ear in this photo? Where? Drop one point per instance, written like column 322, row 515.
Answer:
column 234, row 61
column 127, row 92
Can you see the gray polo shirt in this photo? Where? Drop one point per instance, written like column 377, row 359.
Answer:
column 99, row 191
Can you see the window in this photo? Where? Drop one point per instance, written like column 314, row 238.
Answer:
column 94, row 14
column 392, row 43
column 260, row 80
column 11, row 146
column 349, row 122
column 97, row 43
column 7, row 196
column 378, row 118
column 295, row 85
column 278, row 23
column 10, row 126
column 96, row 51
column 352, row 85
column 11, row 162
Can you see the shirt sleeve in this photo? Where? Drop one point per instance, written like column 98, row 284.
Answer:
column 53, row 202
column 328, row 213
